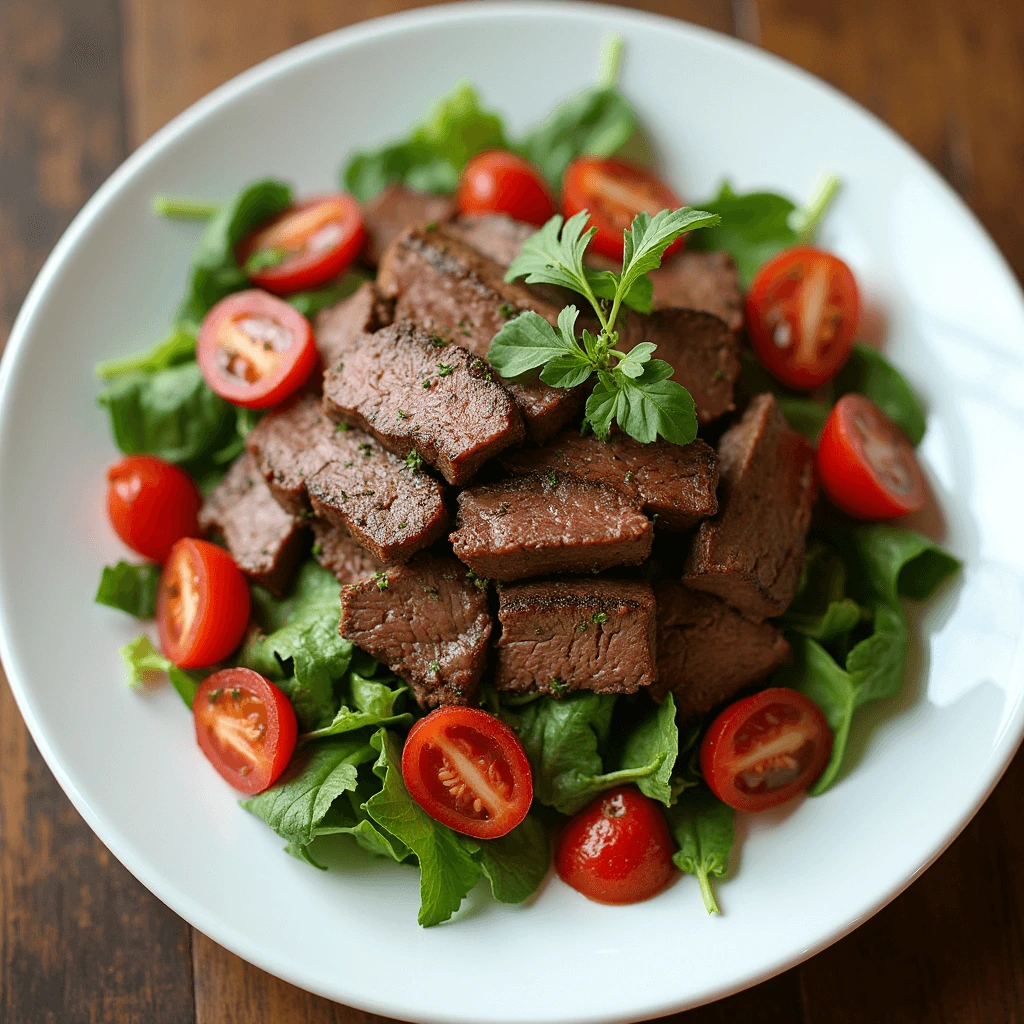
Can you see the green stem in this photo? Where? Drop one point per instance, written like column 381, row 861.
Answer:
column 610, row 61
column 806, row 220
column 589, row 295
column 710, row 903
column 183, row 209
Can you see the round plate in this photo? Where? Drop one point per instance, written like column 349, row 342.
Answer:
column 919, row 766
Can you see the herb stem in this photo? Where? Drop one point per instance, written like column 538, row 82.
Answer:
column 610, row 61
column 175, row 208
column 710, row 903
column 805, row 221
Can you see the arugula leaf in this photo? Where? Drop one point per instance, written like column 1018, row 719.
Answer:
column 869, row 373
column 178, row 347
column 704, row 828
column 655, row 741
column 529, row 341
column 129, row 588
column 516, row 864
column 141, row 659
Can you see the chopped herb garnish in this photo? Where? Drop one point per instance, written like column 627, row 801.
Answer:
column 443, row 369
column 426, row 384
column 382, row 580
column 307, row 513
column 435, row 667
column 558, row 688
column 438, row 341
column 366, row 449
column 413, row 461
column 629, row 475
column 431, row 225
column 346, row 464
column 403, row 524
column 401, row 414
column 343, row 426
column 552, row 478
column 503, row 508
column 433, row 593
column 480, row 582
column 507, row 310
column 318, row 549
column 264, row 259
column 536, row 630
column 598, row 618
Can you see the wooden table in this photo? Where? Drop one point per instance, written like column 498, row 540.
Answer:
column 82, row 83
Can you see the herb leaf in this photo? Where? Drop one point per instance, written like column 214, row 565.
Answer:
column 529, row 341
column 645, row 406
column 554, row 255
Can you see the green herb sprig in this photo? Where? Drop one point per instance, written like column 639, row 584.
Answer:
column 632, row 389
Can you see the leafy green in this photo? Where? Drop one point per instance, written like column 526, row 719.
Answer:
column 312, row 302
column 433, row 154
column 177, row 208
column 655, row 740
column 528, row 341
column 372, row 704
column 703, row 827
column 869, row 373
column 142, row 659
column 643, row 406
column 821, row 610
column 129, row 588
column 515, row 864
column 178, row 347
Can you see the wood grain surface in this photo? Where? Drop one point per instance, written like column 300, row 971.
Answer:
column 82, row 82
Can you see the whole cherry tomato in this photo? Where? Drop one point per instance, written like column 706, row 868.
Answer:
column 501, row 182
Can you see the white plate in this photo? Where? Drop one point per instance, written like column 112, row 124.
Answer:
column 922, row 764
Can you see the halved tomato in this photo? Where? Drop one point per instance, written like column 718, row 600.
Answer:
column 202, row 604
column 306, row 246
column 467, row 770
column 764, row 749
column 245, row 726
column 254, row 349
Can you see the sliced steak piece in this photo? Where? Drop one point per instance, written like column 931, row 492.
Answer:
column 576, row 634
column 348, row 479
column 708, row 281
column 339, row 326
column 427, row 622
column 676, row 483
column 391, row 211
column 750, row 553
column 494, row 235
column 335, row 549
column 533, row 526
column 707, row 650
column 443, row 284
column 265, row 541
column 415, row 390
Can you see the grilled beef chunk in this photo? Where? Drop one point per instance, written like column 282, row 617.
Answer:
column 707, row 650
column 265, row 541
column 427, row 622
column 576, row 634
column 414, row 390
column 391, row 211
column 494, row 235
column 750, row 553
column 676, row 483
column 349, row 479
column 339, row 554
column 442, row 284
column 340, row 326
column 707, row 281
column 532, row 526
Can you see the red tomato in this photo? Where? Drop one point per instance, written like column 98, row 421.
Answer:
column 255, row 350
column 501, row 182
column 614, row 192
column 312, row 242
column 467, row 770
column 151, row 504
column 617, row 850
column 802, row 310
column 764, row 749
column 245, row 726
column 202, row 604
column 866, row 464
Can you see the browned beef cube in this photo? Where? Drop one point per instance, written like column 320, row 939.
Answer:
column 707, row 650
column 348, row 479
column 427, row 622
column 533, row 526
column 494, row 235
column 414, row 390
column 676, row 483
column 751, row 552
column 391, row 211
column 340, row 326
column 265, row 541
column 335, row 549
column 443, row 284
column 576, row 634
column 707, row 281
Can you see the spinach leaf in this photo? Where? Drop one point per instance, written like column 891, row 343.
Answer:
column 704, row 829
column 178, row 347
column 869, row 373
column 821, row 609
column 312, row 302
column 516, row 864
column 655, row 740
column 142, row 659
column 129, row 588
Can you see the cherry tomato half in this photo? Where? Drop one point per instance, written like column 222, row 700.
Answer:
column 866, row 464
column 202, row 604
column 467, row 770
column 617, row 850
column 764, row 749
column 151, row 504
column 501, row 182
column 255, row 350
column 306, row 246
column 802, row 311
column 245, row 726
column 614, row 192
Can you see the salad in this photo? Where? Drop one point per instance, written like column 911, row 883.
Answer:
column 501, row 506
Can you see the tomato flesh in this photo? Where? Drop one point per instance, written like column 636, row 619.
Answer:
column 802, row 310
column 255, row 350
column 245, row 726
column 614, row 192
column 151, row 504
column 764, row 749
column 467, row 770
column 202, row 604
column 306, row 246
column 866, row 464
column 617, row 850
column 501, row 182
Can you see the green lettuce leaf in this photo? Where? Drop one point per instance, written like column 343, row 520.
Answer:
column 129, row 588
column 142, row 660
column 516, row 864
column 365, row 702
column 703, row 827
